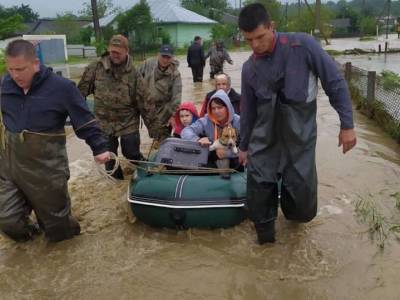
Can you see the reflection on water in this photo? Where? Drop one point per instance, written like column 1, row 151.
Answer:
column 119, row 258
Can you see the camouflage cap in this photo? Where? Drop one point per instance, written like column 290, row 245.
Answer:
column 119, row 41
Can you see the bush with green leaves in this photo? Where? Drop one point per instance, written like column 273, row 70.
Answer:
column 391, row 80
column 2, row 63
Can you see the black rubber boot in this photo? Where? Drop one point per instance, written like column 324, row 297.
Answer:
column 64, row 231
column 266, row 232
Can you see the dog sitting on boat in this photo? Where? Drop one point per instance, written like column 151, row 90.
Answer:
column 227, row 141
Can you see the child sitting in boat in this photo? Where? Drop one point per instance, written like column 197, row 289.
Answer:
column 185, row 115
column 208, row 129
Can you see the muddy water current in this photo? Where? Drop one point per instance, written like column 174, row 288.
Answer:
column 117, row 257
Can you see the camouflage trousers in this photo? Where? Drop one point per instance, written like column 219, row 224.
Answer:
column 216, row 69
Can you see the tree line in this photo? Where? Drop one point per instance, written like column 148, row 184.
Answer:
column 137, row 21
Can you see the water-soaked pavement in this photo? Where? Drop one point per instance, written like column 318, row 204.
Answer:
column 332, row 257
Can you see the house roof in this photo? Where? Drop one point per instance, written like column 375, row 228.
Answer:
column 44, row 26
column 341, row 23
column 167, row 11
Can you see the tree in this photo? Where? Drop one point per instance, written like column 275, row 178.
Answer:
column 27, row 14
column 137, row 22
column 368, row 25
column 96, row 23
column 212, row 9
column 10, row 25
column 305, row 20
column 67, row 24
column 104, row 8
column 223, row 31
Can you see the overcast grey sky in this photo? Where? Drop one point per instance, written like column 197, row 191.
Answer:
column 50, row 8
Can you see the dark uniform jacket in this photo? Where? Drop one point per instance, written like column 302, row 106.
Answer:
column 291, row 70
column 46, row 106
column 195, row 56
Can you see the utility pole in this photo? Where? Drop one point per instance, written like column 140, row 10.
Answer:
column 317, row 18
column 286, row 15
column 387, row 19
column 95, row 17
column 298, row 7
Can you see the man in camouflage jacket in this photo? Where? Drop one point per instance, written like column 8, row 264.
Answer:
column 163, row 80
column 119, row 95
column 218, row 55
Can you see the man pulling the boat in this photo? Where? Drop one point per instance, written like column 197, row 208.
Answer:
column 34, row 173
column 278, row 119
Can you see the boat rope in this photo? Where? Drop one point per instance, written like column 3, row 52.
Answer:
column 159, row 168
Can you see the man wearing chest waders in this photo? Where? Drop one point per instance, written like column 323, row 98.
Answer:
column 278, row 119
column 35, row 104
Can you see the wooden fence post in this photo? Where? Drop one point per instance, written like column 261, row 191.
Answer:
column 371, row 86
column 347, row 71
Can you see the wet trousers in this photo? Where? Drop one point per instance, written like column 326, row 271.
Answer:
column 130, row 148
column 197, row 72
column 281, row 162
column 33, row 176
column 216, row 69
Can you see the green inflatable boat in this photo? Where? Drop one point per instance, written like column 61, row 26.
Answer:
column 188, row 200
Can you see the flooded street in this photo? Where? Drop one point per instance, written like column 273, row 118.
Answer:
column 115, row 257
column 373, row 62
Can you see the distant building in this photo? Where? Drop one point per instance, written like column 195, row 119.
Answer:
column 46, row 26
column 341, row 24
column 389, row 21
column 181, row 24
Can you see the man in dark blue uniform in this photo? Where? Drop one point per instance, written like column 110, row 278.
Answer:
column 278, row 119
column 34, row 173
column 196, row 59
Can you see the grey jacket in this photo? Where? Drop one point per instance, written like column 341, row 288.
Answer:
column 204, row 127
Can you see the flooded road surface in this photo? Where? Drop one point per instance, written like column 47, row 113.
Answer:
column 373, row 62
column 341, row 44
column 332, row 257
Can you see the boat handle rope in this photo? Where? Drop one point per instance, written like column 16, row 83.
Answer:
column 158, row 168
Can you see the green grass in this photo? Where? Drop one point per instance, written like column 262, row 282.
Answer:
column 391, row 80
column 376, row 111
column 79, row 59
column 2, row 62
column 367, row 38
column 397, row 199
column 367, row 212
column 379, row 227
column 334, row 52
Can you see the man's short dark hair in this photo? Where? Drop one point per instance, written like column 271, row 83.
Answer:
column 197, row 38
column 21, row 48
column 253, row 15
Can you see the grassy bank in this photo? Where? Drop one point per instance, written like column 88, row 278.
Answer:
column 376, row 111
column 2, row 62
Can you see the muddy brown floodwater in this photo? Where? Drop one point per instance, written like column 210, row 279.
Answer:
column 115, row 257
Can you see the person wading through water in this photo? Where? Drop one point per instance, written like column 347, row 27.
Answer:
column 34, row 173
column 278, row 119
column 119, row 95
